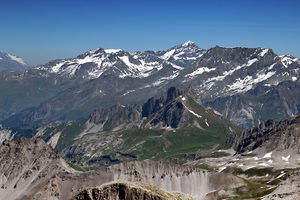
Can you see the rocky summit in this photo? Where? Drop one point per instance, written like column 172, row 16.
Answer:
column 31, row 169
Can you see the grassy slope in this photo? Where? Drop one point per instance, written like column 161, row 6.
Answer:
column 161, row 144
column 145, row 143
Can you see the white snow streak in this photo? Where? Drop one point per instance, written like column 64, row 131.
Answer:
column 286, row 60
column 263, row 52
column 187, row 43
column 168, row 54
column 245, row 84
column 268, row 155
column 230, row 72
column 163, row 79
column 129, row 91
column 199, row 116
column 200, row 70
column 286, row 159
column 112, row 50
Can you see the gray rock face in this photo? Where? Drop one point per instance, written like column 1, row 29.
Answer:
column 275, row 102
column 30, row 169
column 272, row 136
column 25, row 165
column 117, row 116
column 122, row 190
column 288, row 189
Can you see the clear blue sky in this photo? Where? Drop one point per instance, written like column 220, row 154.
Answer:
column 43, row 30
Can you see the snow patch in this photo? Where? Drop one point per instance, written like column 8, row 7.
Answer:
column 57, row 67
column 187, row 43
column 264, row 164
column 243, row 85
column 230, row 72
column 263, row 52
column 281, row 175
column 168, row 54
column 199, row 116
column 206, row 123
column 255, row 158
column 199, row 71
column 217, row 113
column 268, row 155
column 129, row 91
column 271, row 66
column 163, row 79
column 222, row 168
column 109, row 51
column 286, row 60
column 176, row 66
column 250, row 62
column 286, row 159
column 176, row 57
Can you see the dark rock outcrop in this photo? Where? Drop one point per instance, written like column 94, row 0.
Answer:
column 116, row 115
column 271, row 135
column 122, row 190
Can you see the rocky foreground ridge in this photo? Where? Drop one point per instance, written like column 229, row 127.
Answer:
column 31, row 169
column 128, row 190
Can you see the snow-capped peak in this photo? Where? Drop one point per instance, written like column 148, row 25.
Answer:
column 17, row 59
column 286, row 60
column 183, row 54
column 187, row 43
column 111, row 51
column 93, row 51
column 94, row 63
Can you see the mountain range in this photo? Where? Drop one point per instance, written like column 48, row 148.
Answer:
column 243, row 84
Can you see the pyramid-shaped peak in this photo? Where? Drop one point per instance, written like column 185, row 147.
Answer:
column 188, row 43
column 112, row 51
